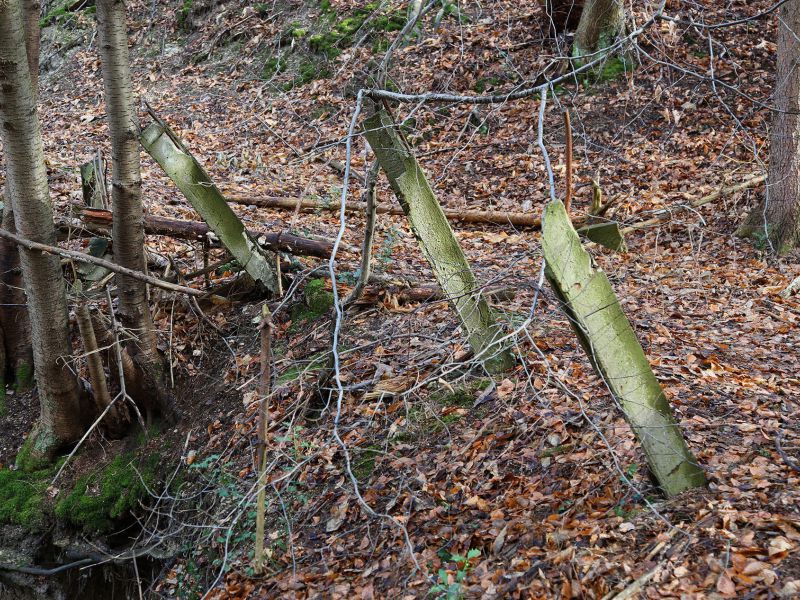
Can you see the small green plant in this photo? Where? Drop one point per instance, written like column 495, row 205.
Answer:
column 454, row 590
column 183, row 14
column 387, row 247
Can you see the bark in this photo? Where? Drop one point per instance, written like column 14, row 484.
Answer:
column 602, row 21
column 61, row 421
column 611, row 345
column 14, row 319
column 176, row 160
column 439, row 245
column 32, row 10
column 197, row 230
column 776, row 221
column 126, row 186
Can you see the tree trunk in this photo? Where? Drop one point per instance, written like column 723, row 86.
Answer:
column 61, row 420
column 616, row 354
column 602, row 22
column 14, row 320
column 777, row 220
column 128, row 230
column 126, row 199
column 439, row 244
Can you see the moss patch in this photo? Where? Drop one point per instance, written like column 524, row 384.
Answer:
column 364, row 462
column 32, row 456
column 104, row 497
column 22, row 496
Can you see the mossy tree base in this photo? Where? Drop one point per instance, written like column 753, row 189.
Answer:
column 782, row 239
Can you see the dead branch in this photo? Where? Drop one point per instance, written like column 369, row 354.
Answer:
column 85, row 258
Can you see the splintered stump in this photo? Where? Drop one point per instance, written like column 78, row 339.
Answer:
column 176, row 160
column 439, row 245
column 611, row 344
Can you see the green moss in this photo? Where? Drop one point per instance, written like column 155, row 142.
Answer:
column 183, row 14
column 102, row 498
column 364, row 462
column 33, row 454
column 22, row 496
column 316, row 297
column 23, row 378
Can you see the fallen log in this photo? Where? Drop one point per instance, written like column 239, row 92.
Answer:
column 197, row 230
column 495, row 217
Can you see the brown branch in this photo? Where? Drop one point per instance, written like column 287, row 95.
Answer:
column 85, row 258
column 568, row 135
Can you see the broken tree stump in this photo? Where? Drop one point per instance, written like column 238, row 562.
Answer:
column 611, row 344
column 438, row 242
column 176, row 160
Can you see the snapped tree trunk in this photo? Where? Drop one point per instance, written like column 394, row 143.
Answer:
column 777, row 219
column 439, row 245
column 61, row 421
column 611, row 344
column 602, row 22
column 176, row 160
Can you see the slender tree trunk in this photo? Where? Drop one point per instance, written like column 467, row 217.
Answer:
column 13, row 311
column 126, row 198
column 602, row 21
column 777, row 220
column 128, row 228
column 61, row 420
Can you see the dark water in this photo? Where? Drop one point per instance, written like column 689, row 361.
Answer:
column 100, row 582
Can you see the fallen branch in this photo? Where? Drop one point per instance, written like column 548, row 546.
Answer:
column 495, row 217
column 665, row 214
column 197, row 230
column 85, row 258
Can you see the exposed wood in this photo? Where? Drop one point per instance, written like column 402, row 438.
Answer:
column 176, row 160
column 611, row 344
column 197, row 230
column 605, row 234
column 568, row 150
column 438, row 242
column 85, row 258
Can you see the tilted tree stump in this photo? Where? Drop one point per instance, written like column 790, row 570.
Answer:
column 176, row 160
column 616, row 354
column 435, row 236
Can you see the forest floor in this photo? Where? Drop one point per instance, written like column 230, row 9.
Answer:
column 537, row 487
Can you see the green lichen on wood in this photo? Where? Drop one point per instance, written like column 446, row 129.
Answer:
column 33, row 454
column 176, row 160
column 437, row 240
column 616, row 354
column 99, row 500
